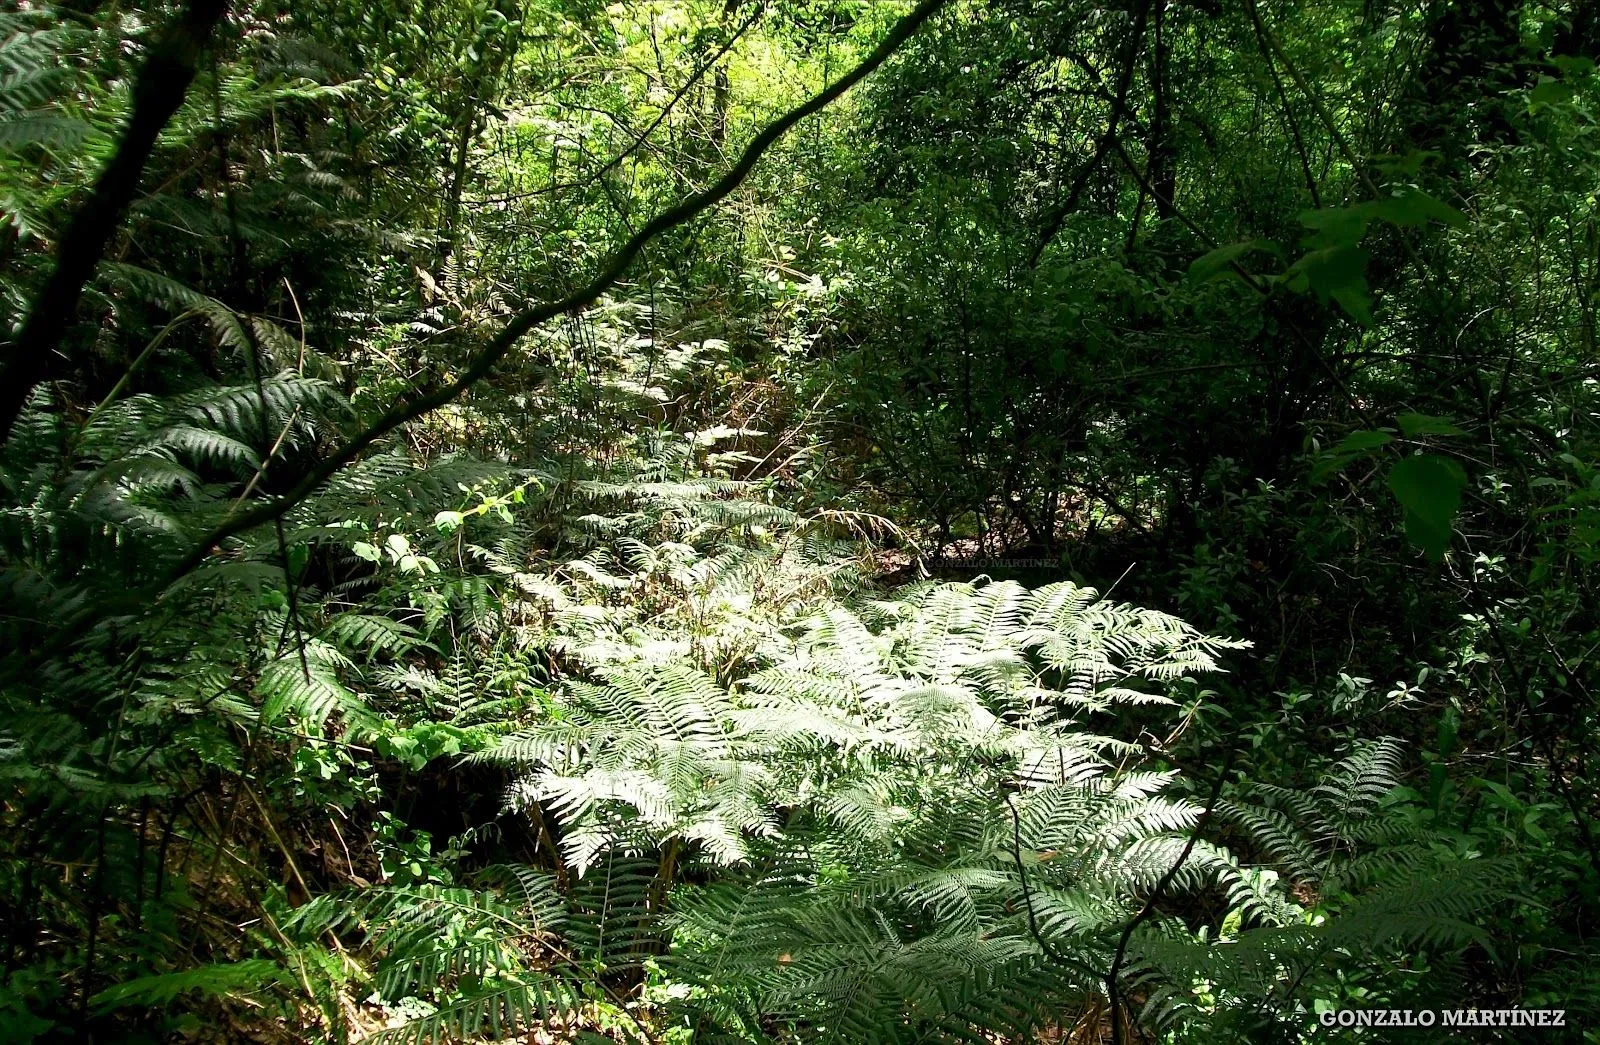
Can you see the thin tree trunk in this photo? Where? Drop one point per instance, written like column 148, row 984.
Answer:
column 159, row 91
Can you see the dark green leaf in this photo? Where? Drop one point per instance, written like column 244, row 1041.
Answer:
column 1360, row 442
column 1411, row 207
column 1220, row 262
column 1428, row 488
column 1414, row 425
column 1337, row 274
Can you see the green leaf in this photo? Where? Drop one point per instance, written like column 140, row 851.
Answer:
column 1337, row 273
column 220, row 979
column 1549, row 91
column 1348, row 449
column 1355, row 301
column 1220, row 262
column 398, row 746
column 1360, row 442
column 1410, row 207
column 1449, row 725
column 299, row 554
column 1531, row 828
column 1406, row 207
column 1414, row 425
column 1336, row 226
column 1428, row 488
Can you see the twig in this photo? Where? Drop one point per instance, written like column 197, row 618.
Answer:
column 1119, row 103
column 643, row 136
column 1027, row 900
column 1113, row 977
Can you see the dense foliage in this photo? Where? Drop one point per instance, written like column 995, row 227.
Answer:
column 797, row 520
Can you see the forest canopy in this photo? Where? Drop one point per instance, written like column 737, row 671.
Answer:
column 788, row 521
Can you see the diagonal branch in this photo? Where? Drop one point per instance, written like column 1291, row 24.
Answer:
column 159, row 91
column 523, row 322
column 520, row 324
column 1056, row 216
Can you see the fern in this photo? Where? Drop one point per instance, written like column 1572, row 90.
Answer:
column 1411, row 894
column 244, row 977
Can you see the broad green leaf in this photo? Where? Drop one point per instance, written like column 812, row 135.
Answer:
column 1414, row 425
column 1428, row 488
column 1348, row 449
column 1336, row 226
column 1360, row 442
column 1355, row 301
column 1410, row 207
column 1549, row 91
column 1220, row 262
column 1335, row 274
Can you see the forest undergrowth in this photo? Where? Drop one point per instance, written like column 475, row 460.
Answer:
column 798, row 520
